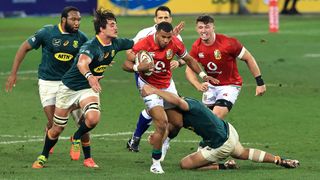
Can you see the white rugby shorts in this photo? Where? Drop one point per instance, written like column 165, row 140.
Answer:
column 228, row 92
column 155, row 100
column 225, row 150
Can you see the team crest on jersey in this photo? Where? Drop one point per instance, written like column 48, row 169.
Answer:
column 56, row 42
column 75, row 44
column 201, row 55
column 169, row 54
column 217, row 54
column 66, row 43
column 100, row 69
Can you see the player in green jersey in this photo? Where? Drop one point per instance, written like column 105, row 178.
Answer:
column 220, row 139
column 81, row 85
column 60, row 44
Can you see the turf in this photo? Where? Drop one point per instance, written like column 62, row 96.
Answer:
column 285, row 121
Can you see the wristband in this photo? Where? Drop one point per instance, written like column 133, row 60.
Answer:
column 259, row 81
column 88, row 74
column 202, row 74
column 135, row 67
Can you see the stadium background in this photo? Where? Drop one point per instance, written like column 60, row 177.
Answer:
column 285, row 121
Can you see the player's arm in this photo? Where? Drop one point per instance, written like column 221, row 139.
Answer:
column 167, row 96
column 20, row 54
column 83, row 66
column 192, row 63
column 255, row 71
column 193, row 79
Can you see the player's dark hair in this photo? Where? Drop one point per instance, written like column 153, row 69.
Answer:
column 67, row 9
column 165, row 26
column 162, row 8
column 101, row 17
column 205, row 19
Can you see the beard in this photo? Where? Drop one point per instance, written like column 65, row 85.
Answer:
column 69, row 29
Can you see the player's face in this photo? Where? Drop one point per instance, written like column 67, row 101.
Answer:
column 111, row 29
column 163, row 38
column 205, row 31
column 72, row 23
column 162, row 16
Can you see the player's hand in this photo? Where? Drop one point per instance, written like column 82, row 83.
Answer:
column 146, row 66
column 94, row 83
column 177, row 30
column 147, row 90
column 11, row 82
column 174, row 64
column 211, row 79
column 203, row 87
column 260, row 90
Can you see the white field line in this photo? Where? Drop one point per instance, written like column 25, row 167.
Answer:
column 106, row 137
column 5, row 74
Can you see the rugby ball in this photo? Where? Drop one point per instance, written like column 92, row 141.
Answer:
column 144, row 56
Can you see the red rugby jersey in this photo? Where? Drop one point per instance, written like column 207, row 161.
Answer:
column 219, row 59
column 161, row 75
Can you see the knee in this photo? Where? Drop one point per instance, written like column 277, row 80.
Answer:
column 184, row 165
column 55, row 131
column 92, row 119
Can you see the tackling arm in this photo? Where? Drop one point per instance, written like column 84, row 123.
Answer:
column 167, row 96
column 20, row 54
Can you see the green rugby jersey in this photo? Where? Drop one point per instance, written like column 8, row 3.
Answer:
column 58, row 50
column 101, row 55
column 204, row 123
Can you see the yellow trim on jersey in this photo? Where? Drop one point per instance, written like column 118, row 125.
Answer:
column 60, row 29
column 100, row 41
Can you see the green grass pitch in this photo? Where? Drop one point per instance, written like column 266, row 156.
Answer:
column 285, row 121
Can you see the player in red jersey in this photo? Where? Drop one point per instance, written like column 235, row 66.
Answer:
column 163, row 46
column 218, row 54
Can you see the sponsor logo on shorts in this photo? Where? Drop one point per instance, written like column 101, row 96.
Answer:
column 63, row 56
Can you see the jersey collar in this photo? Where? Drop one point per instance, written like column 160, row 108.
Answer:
column 101, row 42
column 60, row 29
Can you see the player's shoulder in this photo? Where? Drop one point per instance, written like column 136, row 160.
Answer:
column 82, row 34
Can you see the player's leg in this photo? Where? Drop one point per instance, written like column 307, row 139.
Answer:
column 78, row 117
column 143, row 124
column 90, row 103
column 48, row 92
column 225, row 97
column 257, row 155
column 60, row 121
column 160, row 121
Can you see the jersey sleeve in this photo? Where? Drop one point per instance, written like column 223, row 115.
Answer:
column 182, row 51
column 193, row 51
column 124, row 44
column 235, row 47
column 85, row 49
column 140, row 45
column 38, row 38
